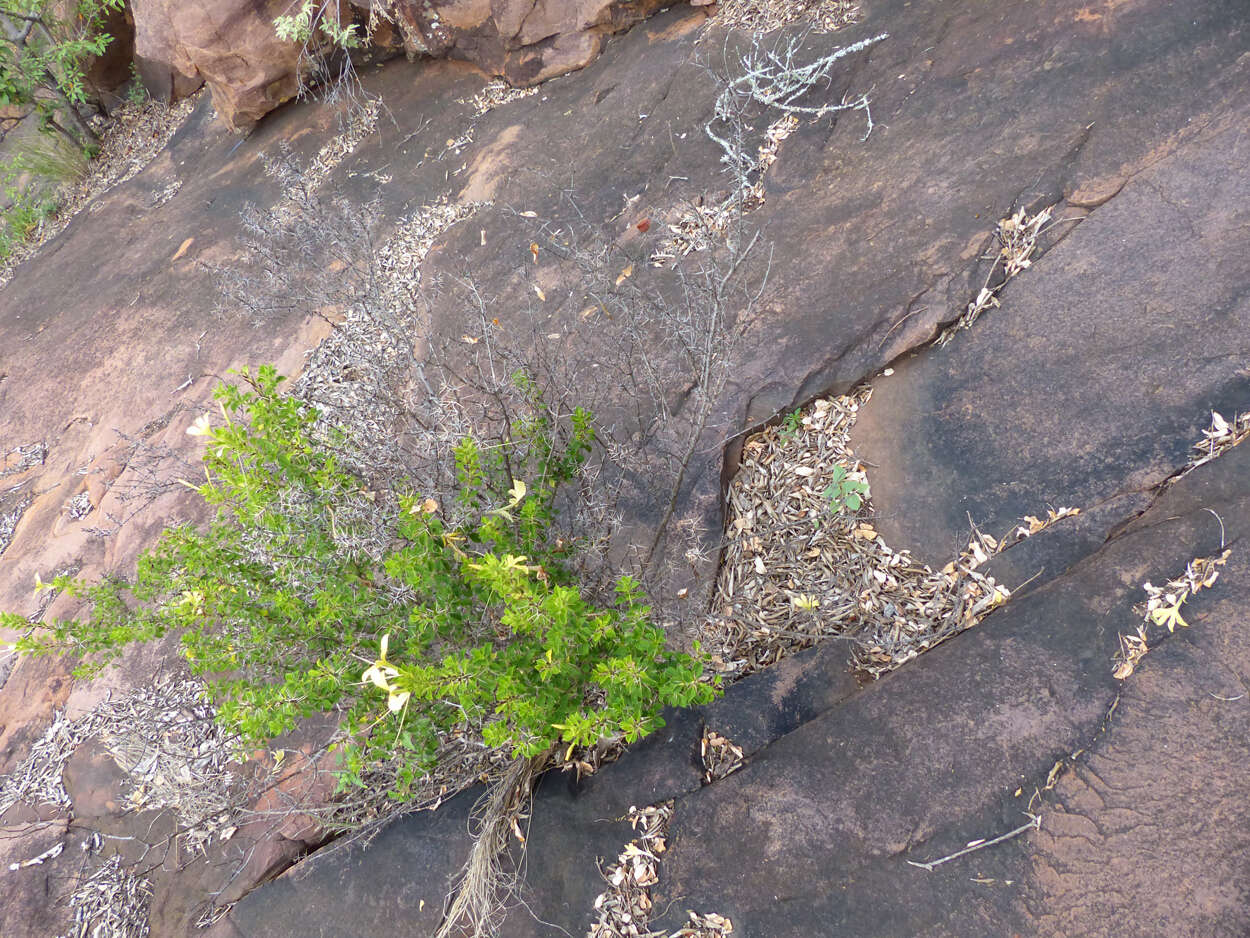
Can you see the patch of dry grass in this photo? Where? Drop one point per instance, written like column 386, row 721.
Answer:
column 133, row 138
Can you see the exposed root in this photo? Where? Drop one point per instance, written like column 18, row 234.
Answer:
column 478, row 907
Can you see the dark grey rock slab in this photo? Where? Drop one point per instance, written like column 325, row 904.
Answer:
column 814, row 836
column 401, row 876
column 1096, row 376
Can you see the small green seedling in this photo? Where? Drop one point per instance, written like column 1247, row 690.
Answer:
column 845, row 493
column 791, row 425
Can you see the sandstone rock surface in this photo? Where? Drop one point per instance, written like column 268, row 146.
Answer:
column 1088, row 386
column 231, row 44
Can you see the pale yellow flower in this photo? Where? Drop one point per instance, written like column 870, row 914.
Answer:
column 201, row 427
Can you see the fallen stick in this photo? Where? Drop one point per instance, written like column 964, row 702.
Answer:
column 1035, row 823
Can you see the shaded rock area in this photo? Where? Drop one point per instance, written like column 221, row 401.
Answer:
column 1087, row 387
column 955, row 748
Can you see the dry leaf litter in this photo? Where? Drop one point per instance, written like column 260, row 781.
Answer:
column 1017, row 239
column 111, row 903
column 763, row 16
column 496, row 94
column 1220, row 437
column 1162, row 609
column 623, row 910
column 164, row 738
column 129, row 143
column 13, row 502
column 720, row 756
column 797, row 569
column 366, row 342
column 9, row 520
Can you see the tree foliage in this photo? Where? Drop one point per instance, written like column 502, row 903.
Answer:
column 44, row 58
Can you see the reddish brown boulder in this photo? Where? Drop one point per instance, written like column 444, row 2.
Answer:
column 526, row 41
column 231, row 44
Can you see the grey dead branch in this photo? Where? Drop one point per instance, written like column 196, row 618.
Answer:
column 770, row 77
column 1034, row 823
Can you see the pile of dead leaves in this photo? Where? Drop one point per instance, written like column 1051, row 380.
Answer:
column 801, row 567
column 623, row 910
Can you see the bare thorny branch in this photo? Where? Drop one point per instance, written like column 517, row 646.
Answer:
column 773, row 78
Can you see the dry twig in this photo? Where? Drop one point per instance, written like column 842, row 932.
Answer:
column 1035, row 823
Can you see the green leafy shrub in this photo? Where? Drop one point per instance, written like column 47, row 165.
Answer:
column 792, row 424
column 311, row 18
column 467, row 623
